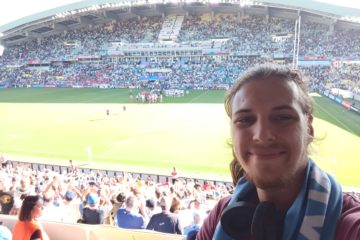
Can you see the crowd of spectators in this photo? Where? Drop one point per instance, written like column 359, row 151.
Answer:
column 177, row 206
column 343, row 76
column 55, row 61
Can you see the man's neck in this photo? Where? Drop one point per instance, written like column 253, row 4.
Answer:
column 284, row 197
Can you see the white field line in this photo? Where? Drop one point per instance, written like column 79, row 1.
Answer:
column 335, row 118
column 192, row 100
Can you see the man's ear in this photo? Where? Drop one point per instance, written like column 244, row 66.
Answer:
column 310, row 129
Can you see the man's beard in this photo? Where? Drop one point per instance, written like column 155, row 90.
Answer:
column 265, row 184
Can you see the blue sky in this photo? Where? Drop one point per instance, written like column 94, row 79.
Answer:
column 11, row 10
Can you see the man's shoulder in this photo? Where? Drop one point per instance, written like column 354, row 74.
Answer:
column 351, row 201
column 158, row 215
column 222, row 203
column 164, row 215
column 135, row 215
column 349, row 222
column 353, row 195
column 121, row 211
column 172, row 216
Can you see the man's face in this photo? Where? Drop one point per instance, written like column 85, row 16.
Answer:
column 270, row 132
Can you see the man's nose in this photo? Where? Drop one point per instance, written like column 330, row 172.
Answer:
column 263, row 132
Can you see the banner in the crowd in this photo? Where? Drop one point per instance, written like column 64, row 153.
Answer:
column 246, row 54
column 158, row 70
column 88, row 57
column 37, row 85
column 338, row 100
column 346, row 104
column 214, row 52
column 342, row 102
column 34, row 61
column 281, row 55
column 311, row 58
column 332, row 97
column 152, row 78
column 314, row 62
column 353, row 108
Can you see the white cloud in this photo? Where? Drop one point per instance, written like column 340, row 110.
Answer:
column 344, row 3
column 12, row 10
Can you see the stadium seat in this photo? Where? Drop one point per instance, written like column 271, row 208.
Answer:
column 101, row 232
column 8, row 221
column 67, row 231
column 63, row 231
column 55, row 230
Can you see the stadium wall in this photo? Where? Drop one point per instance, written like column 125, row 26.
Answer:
column 67, row 231
column 111, row 173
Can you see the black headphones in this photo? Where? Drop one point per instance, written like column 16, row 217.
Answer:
column 249, row 220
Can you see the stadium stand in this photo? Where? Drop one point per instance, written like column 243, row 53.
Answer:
column 209, row 54
column 65, row 193
column 165, row 52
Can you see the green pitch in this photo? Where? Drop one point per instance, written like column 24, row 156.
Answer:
column 61, row 124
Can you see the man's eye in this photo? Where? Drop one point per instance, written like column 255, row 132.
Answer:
column 244, row 120
column 283, row 118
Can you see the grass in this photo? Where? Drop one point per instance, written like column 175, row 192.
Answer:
column 60, row 123
column 337, row 115
column 82, row 95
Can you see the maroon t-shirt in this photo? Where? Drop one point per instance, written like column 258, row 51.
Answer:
column 348, row 227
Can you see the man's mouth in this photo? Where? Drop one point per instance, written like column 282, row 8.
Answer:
column 267, row 154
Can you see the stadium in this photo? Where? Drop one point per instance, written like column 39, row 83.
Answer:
column 129, row 91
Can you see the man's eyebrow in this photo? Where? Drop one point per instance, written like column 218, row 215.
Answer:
column 283, row 107
column 277, row 108
column 244, row 110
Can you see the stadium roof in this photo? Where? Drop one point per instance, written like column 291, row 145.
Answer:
column 319, row 6
column 94, row 11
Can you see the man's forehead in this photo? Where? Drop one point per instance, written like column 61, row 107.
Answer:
column 279, row 94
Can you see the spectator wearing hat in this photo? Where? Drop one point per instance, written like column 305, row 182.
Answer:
column 94, row 212
column 70, row 212
column 127, row 218
column 165, row 221
column 91, row 213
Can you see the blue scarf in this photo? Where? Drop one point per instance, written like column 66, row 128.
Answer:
column 314, row 213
